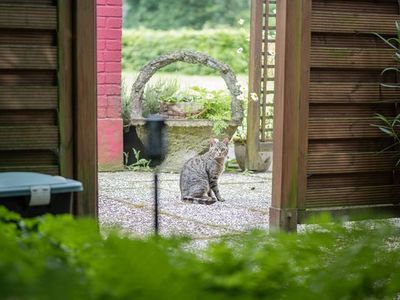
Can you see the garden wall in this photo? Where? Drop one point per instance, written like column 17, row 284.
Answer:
column 109, row 31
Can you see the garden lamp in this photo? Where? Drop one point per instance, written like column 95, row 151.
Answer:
column 156, row 146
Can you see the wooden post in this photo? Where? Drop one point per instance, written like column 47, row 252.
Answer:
column 85, row 105
column 290, row 112
column 253, row 112
column 65, row 105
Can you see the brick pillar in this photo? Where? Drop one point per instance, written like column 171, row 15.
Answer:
column 109, row 122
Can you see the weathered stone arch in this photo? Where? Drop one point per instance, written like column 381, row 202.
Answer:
column 192, row 57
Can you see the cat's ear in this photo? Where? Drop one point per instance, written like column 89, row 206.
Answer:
column 226, row 141
column 212, row 141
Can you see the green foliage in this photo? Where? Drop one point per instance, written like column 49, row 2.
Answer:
column 140, row 164
column 156, row 92
column 62, row 258
column 391, row 125
column 126, row 104
column 393, row 43
column 172, row 14
column 216, row 105
column 141, row 46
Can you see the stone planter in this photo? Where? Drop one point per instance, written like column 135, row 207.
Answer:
column 263, row 163
column 186, row 138
column 180, row 110
column 240, row 155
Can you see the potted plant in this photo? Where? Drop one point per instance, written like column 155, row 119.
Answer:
column 239, row 140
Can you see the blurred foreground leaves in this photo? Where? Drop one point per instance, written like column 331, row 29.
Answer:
column 61, row 258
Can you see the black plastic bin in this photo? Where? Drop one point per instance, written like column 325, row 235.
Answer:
column 33, row 194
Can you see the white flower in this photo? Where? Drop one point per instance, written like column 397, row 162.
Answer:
column 241, row 22
column 239, row 50
column 254, row 96
column 241, row 97
column 209, row 96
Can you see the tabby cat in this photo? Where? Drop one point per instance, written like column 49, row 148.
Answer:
column 199, row 175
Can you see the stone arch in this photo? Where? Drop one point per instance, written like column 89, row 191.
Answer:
column 192, row 57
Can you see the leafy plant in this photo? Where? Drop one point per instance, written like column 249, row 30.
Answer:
column 394, row 43
column 126, row 103
column 141, row 164
column 154, row 93
column 64, row 258
column 391, row 125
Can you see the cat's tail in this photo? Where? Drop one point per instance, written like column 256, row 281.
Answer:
column 206, row 201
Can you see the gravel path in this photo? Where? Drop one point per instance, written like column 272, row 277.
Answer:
column 126, row 201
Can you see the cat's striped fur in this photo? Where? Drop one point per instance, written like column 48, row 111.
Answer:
column 200, row 174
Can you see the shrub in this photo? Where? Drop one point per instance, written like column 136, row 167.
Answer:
column 62, row 258
column 156, row 92
column 142, row 45
column 170, row 14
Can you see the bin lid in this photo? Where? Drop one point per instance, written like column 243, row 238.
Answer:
column 20, row 183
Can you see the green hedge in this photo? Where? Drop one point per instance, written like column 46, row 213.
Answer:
column 142, row 45
column 62, row 258
column 170, row 14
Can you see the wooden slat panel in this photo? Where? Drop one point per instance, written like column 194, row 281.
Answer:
column 27, row 78
column 350, row 110
column 27, row 157
column 351, row 75
column 27, row 117
column 27, row 37
column 341, row 128
column 349, row 58
column 28, row 57
column 30, row 2
column 322, row 181
column 346, row 41
column 359, row 6
column 28, row 137
column 352, row 145
column 28, row 97
column 28, row 17
column 354, row 162
column 356, row 213
column 351, row 196
column 348, row 92
column 50, row 169
column 348, row 22
column 29, row 161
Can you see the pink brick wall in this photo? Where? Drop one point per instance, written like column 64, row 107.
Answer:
column 109, row 30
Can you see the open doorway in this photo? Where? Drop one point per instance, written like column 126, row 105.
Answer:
column 153, row 28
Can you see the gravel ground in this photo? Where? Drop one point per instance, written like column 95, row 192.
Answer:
column 126, row 201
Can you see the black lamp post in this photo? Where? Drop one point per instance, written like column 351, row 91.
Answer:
column 156, row 147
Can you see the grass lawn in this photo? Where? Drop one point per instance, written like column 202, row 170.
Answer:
column 210, row 82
